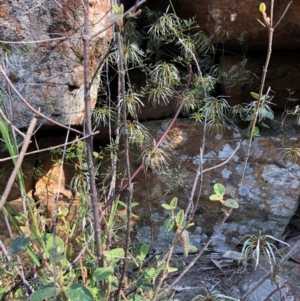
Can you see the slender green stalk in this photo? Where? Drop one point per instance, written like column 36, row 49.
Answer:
column 19, row 162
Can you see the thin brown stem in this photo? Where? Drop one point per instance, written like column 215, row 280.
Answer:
column 286, row 9
column 262, row 85
column 122, row 96
column 89, row 139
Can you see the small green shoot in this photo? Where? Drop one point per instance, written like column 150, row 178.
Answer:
column 262, row 7
column 219, row 190
column 177, row 224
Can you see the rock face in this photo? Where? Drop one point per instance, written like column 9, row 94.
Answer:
column 268, row 196
column 230, row 18
column 230, row 21
column 49, row 73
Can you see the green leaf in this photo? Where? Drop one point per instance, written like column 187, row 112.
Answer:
column 151, row 273
column 180, row 218
column 114, row 18
column 77, row 292
column 122, row 204
column 254, row 95
column 256, row 131
column 192, row 249
column 85, row 167
column 144, row 249
column 44, row 292
column 172, row 269
column 189, row 226
column 166, row 206
column 100, row 295
column 18, row 244
column 266, row 114
column 115, row 254
column 262, row 7
column 69, row 252
column 62, row 212
column 169, row 224
column 264, row 125
column 231, row 203
column 133, row 204
column 33, row 256
column 160, row 265
column 114, row 283
column 102, row 273
column 118, row 9
column 60, row 246
column 219, row 189
column 173, row 203
column 215, row 197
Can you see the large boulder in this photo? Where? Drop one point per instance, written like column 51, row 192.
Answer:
column 49, row 73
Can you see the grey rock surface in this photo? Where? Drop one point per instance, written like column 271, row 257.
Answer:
column 268, row 198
